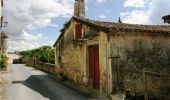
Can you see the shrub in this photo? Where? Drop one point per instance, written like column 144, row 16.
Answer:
column 3, row 61
column 43, row 54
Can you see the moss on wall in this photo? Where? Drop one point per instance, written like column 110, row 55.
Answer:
column 134, row 55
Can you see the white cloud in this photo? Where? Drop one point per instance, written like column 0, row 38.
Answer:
column 151, row 14
column 102, row 16
column 135, row 17
column 50, row 43
column 100, row 1
column 26, row 36
column 32, row 14
column 135, row 3
column 24, row 41
column 25, row 45
column 54, row 25
column 22, row 45
column 158, row 9
column 25, row 16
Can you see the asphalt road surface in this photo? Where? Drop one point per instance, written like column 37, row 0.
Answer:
column 27, row 83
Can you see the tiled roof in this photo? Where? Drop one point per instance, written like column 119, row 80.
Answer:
column 111, row 27
column 3, row 35
column 128, row 27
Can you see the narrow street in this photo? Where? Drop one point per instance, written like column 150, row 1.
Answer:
column 27, row 83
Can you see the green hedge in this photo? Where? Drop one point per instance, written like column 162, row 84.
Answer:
column 3, row 61
column 43, row 54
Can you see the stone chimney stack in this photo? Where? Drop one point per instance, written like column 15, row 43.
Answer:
column 79, row 8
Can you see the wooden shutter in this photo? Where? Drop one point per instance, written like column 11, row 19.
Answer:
column 78, row 31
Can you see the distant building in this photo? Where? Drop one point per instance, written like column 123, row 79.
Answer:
column 3, row 43
column 166, row 19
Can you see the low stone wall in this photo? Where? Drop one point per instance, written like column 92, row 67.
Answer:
column 17, row 61
column 47, row 67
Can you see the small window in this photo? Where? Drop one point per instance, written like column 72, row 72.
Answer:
column 78, row 31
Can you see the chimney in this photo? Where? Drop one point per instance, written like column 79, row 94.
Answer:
column 79, row 8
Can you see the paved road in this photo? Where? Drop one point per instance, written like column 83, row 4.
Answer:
column 28, row 83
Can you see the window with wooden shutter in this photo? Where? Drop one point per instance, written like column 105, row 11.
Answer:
column 78, row 31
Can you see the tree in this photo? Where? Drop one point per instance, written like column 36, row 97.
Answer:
column 43, row 53
column 3, row 61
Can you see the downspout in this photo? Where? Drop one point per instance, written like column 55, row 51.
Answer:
column 107, row 67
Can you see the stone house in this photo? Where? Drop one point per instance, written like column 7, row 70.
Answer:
column 91, row 52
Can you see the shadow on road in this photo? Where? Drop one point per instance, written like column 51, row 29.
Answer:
column 35, row 83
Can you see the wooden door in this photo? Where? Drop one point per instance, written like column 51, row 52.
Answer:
column 94, row 72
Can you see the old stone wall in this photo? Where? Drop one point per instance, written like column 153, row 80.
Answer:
column 72, row 57
column 103, row 50
column 50, row 68
column 131, row 54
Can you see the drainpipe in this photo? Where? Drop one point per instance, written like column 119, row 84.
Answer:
column 108, row 67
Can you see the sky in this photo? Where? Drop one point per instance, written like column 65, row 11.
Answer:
column 33, row 23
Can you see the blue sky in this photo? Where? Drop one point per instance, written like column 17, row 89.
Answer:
column 33, row 23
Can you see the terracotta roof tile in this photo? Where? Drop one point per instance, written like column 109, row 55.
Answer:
column 112, row 27
column 129, row 27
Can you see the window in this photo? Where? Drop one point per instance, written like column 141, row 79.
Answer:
column 78, row 31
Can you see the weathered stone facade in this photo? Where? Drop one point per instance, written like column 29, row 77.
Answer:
column 123, row 55
column 74, row 57
column 130, row 57
column 136, row 53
